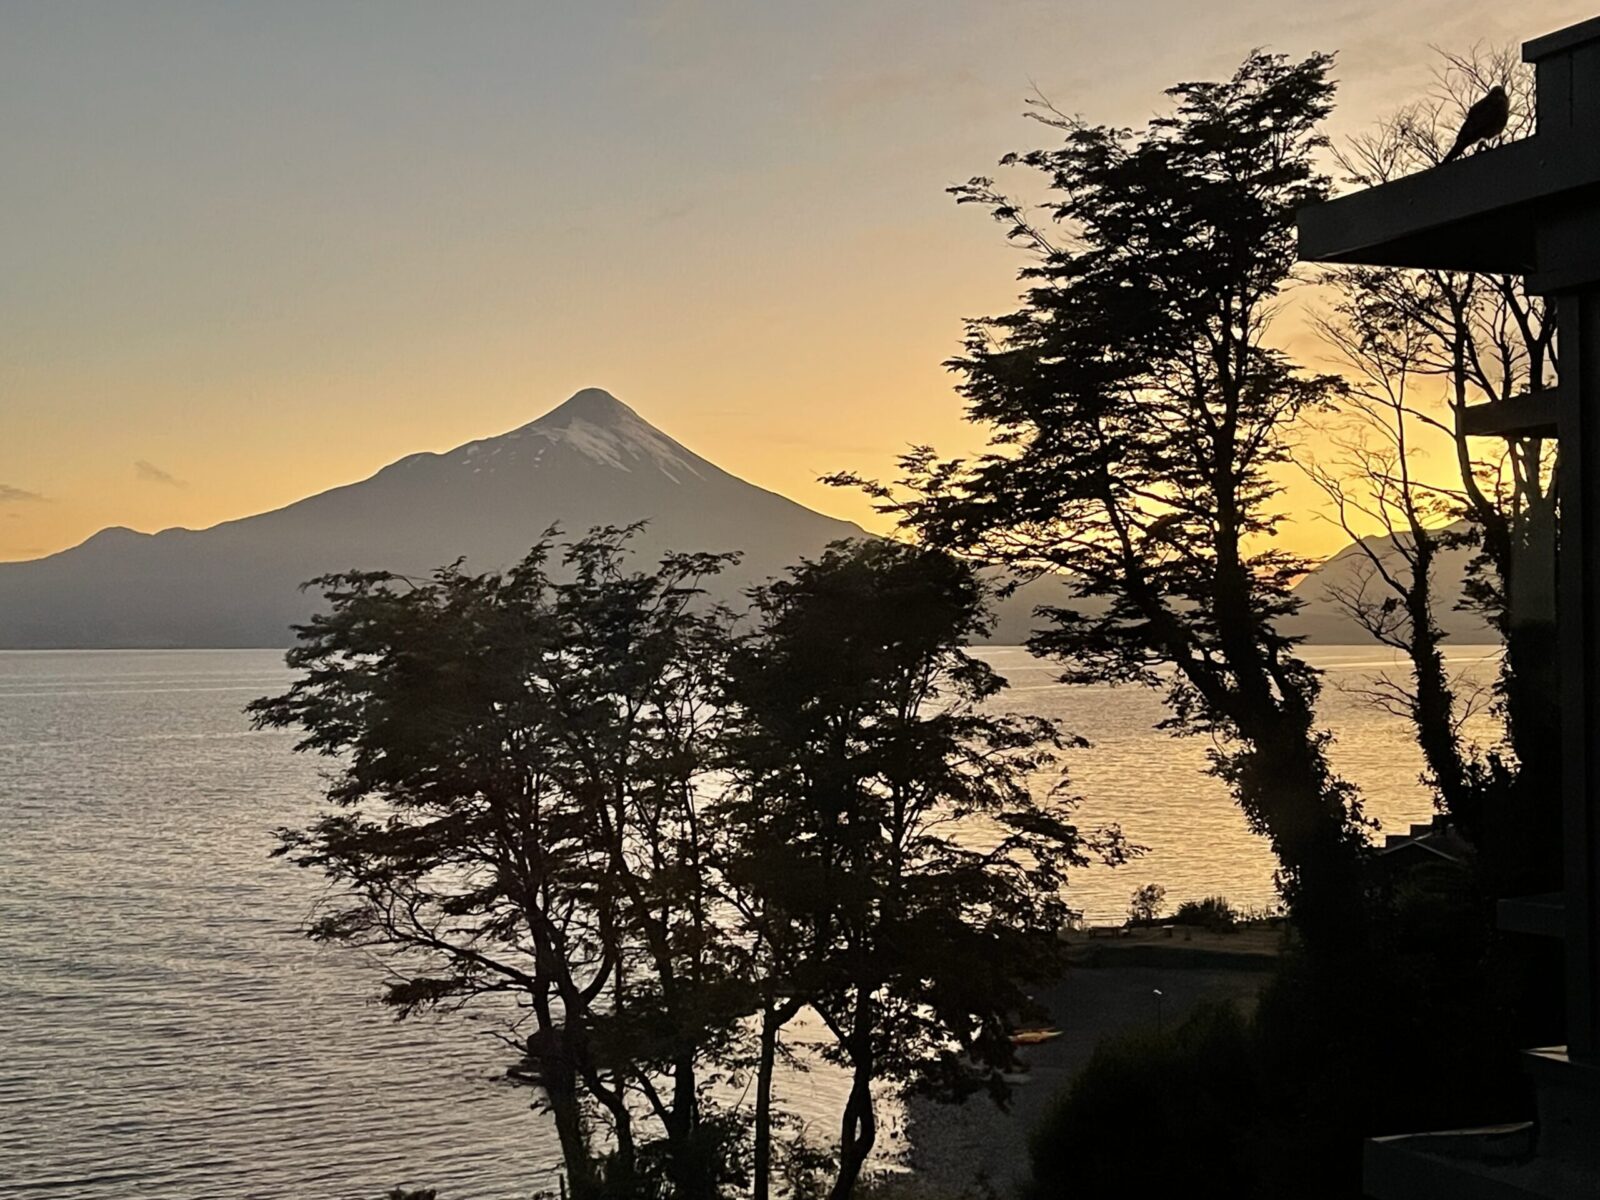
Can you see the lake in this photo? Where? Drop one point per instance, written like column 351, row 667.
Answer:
column 168, row 1033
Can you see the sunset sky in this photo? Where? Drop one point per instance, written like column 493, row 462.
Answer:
column 252, row 251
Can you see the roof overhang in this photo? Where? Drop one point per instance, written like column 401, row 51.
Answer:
column 1485, row 212
column 1524, row 208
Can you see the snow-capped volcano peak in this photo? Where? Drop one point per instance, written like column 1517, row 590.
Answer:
column 598, row 426
column 593, row 424
column 591, row 462
column 595, row 406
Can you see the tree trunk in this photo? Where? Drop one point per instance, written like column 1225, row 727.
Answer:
column 1433, row 713
column 691, row 1172
column 1530, row 682
column 615, row 1103
column 858, row 1132
column 559, row 1081
column 859, row 1128
column 1433, row 700
column 773, row 1019
column 1288, row 792
column 1281, row 774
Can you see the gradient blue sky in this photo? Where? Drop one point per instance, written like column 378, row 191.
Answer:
column 251, row 251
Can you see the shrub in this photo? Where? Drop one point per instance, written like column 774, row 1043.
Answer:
column 1214, row 912
column 1153, row 1113
column 1146, row 903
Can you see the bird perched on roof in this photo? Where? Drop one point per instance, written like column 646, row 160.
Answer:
column 1485, row 119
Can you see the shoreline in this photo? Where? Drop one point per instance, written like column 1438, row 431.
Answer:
column 975, row 1149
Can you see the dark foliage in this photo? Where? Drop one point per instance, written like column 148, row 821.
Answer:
column 884, row 834
column 516, row 760
column 1213, row 912
column 1278, row 1103
column 1138, row 416
column 1155, row 1114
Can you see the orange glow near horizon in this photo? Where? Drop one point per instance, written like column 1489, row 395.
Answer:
column 254, row 254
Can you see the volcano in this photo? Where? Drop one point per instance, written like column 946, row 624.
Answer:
column 590, row 462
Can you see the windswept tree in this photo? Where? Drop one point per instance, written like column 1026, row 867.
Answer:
column 516, row 769
column 885, row 827
column 1138, row 415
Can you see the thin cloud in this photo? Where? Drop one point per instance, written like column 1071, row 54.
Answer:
column 148, row 472
column 16, row 495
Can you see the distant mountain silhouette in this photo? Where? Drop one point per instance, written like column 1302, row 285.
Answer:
column 592, row 461
column 1322, row 619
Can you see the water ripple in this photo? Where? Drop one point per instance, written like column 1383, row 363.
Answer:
column 170, row 1034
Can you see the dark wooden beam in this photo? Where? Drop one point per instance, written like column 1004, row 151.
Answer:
column 1578, row 582
column 1532, row 415
column 1541, row 916
column 1562, row 41
column 1478, row 213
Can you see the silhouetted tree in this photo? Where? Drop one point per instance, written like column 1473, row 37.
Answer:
column 1137, row 417
column 1146, row 904
column 884, row 820
column 1375, row 475
column 1486, row 340
column 516, row 774
column 773, row 947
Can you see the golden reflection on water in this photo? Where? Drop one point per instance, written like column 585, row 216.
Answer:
column 169, row 1033
column 1157, row 788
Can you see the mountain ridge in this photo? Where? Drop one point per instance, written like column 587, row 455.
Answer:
column 590, row 461
column 1323, row 620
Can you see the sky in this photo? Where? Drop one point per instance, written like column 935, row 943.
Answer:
column 254, row 251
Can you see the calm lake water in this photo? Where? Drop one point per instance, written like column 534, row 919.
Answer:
column 166, row 1032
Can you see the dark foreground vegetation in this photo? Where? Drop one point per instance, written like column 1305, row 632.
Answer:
column 1142, row 423
column 665, row 831
column 662, row 837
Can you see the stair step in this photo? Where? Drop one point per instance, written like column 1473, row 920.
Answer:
column 1461, row 1164
column 1568, row 1094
